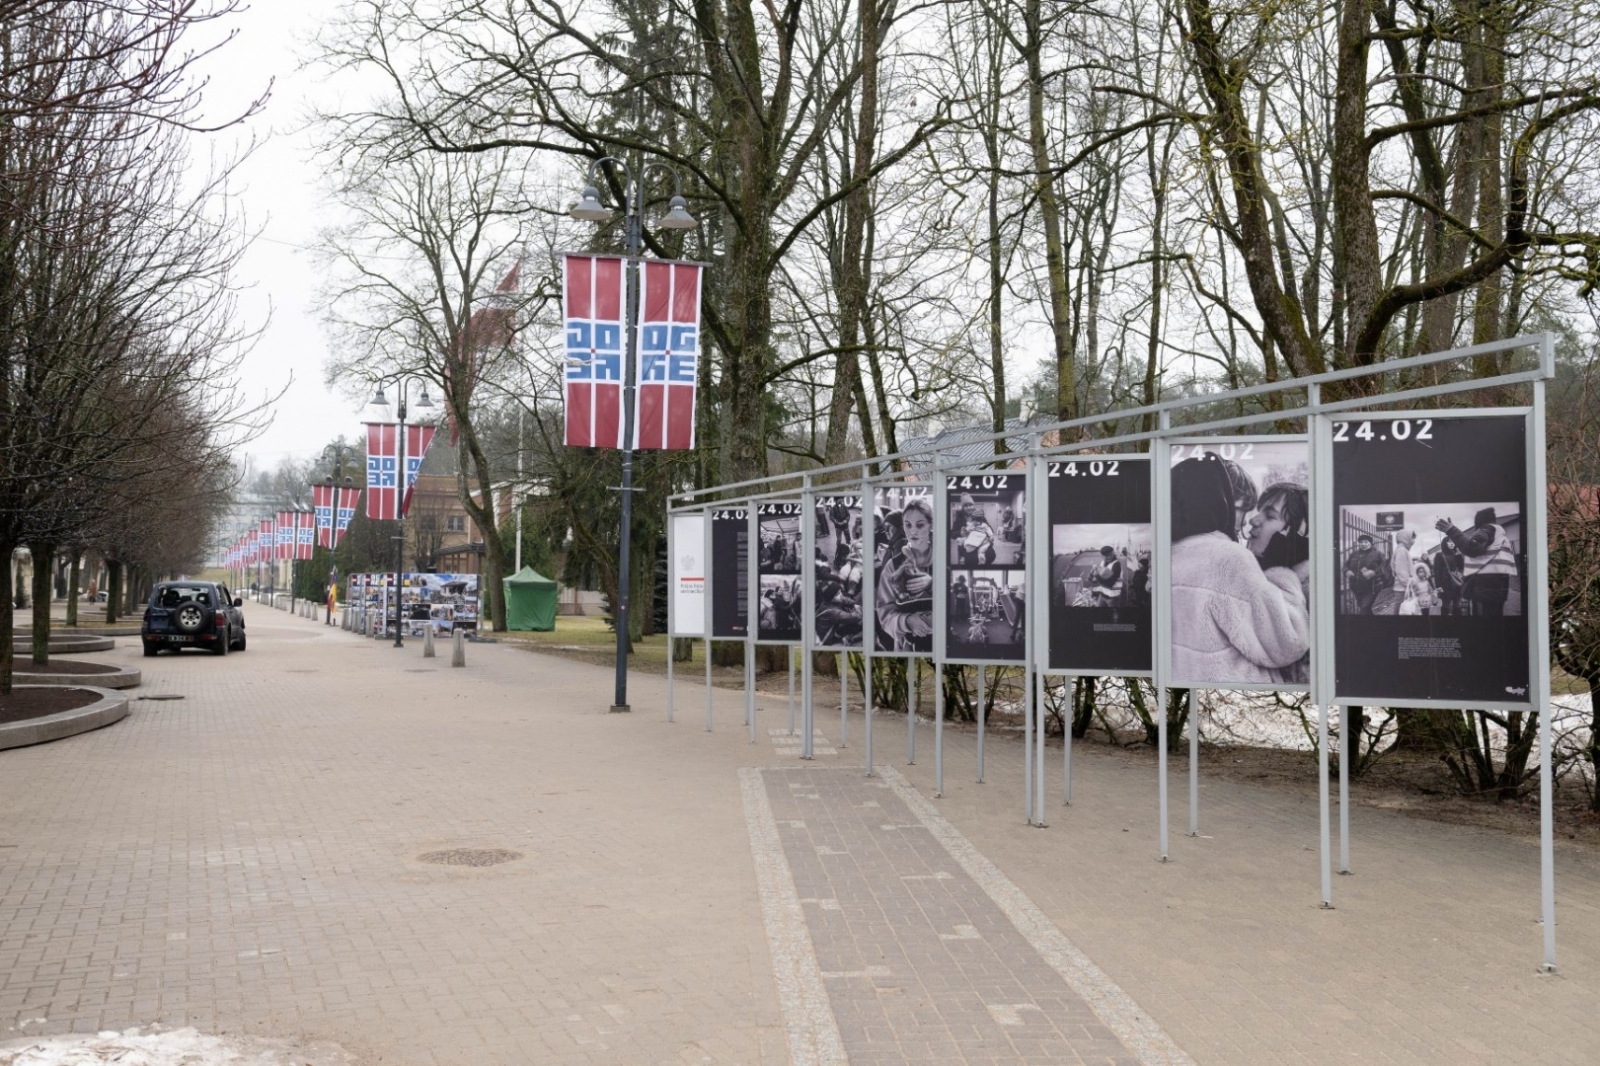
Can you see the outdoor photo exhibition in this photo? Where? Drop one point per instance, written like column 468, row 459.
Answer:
column 799, row 533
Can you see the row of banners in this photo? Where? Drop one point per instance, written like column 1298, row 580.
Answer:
column 1426, row 547
column 294, row 534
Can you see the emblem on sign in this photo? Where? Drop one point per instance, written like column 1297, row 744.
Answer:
column 687, row 562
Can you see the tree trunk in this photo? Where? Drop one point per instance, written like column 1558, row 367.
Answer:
column 42, row 573
column 1592, row 753
column 1050, row 217
column 8, row 626
column 113, row 590
column 74, row 576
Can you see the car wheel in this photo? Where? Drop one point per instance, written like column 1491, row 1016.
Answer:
column 190, row 617
column 150, row 651
column 240, row 646
column 223, row 640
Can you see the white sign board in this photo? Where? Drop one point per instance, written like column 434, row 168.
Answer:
column 687, row 548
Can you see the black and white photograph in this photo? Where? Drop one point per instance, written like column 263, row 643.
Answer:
column 988, row 519
column 1442, row 559
column 730, row 573
column 902, row 569
column 778, row 566
column 837, row 571
column 987, row 615
column 1430, row 557
column 1101, row 564
column 1241, row 563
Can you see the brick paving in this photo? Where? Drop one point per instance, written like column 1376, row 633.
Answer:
column 246, row 860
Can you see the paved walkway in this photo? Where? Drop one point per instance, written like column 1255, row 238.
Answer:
column 249, row 859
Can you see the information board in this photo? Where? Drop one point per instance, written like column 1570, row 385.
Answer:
column 779, row 573
column 730, row 573
column 985, row 575
column 1101, row 542
column 836, row 572
column 902, row 569
column 1240, row 563
column 688, row 575
column 1430, row 557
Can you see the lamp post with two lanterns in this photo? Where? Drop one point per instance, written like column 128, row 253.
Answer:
column 403, row 383
column 339, row 452
column 590, row 209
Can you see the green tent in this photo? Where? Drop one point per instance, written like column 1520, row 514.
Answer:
column 530, row 601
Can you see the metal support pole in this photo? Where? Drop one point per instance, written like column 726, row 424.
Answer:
column 1066, row 743
column 399, row 499
column 807, row 679
column 982, row 679
column 634, row 233
column 1194, row 768
column 1346, row 747
column 788, row 655
column 844, row 698
column 1539, row 653
column 911, row 710
column 866, row 697
column 1038, row 754
column 750, row 689
column 1161, row 764
column 671, row 648
column 938, row 732
column 1322, row 806
column 1027, row 745
column 708, row 684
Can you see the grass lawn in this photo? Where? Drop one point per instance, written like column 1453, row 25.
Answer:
column 590, row 638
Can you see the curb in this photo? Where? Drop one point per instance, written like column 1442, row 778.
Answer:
column 66, row 645
column 111, row 707
column 125, row 677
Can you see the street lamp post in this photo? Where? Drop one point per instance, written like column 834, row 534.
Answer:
column 403, row 383
column 590, row 209
column 339, row 452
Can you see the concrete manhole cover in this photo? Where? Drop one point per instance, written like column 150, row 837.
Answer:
column 469, row 856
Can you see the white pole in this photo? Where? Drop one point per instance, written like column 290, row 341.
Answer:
column 788, row 655
column 982, row 681
column 844, row 698
column 938, row 732
column 1538, row 593
column 1027, row 745
column 708, row 683
column 915, row 665
column 1066, row 743
column 1194, row 767
column 1161, row 764
column 866, row 696
column 517, row 499
column 1322, row 789
column 1038, row 755
column 1346, row 750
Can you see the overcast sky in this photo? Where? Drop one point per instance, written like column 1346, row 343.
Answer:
column 279, row 190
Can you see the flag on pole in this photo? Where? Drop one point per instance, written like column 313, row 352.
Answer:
column 305, row 534
column 382, row 466
column 668, row 353
column 284, row 539
column 593, row 299
column 322, row 512
column 418, row 439
column 345, row 501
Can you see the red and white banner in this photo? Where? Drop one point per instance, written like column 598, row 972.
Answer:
column 284, row 538
column 305, row 534
column 669, row 354
column 322, row 513
column 383, row 461
column 593, row 297
column 345, row 501
column 418, row 439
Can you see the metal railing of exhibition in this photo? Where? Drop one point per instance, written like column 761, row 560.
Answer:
column 1221, row 562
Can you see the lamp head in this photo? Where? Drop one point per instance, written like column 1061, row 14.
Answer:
column 589, row 208
column 677, row 216
column 425, row 403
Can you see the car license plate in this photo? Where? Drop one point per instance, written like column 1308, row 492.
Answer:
column 181, row 640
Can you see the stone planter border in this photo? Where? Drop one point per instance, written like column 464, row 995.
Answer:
column 111, row 707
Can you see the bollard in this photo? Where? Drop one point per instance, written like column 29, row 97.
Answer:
column 458, row 648
column 427, row 643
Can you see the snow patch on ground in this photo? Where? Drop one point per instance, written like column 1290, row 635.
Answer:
column 171, row 1047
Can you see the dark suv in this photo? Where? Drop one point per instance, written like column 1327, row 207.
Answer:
column 188, row 614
